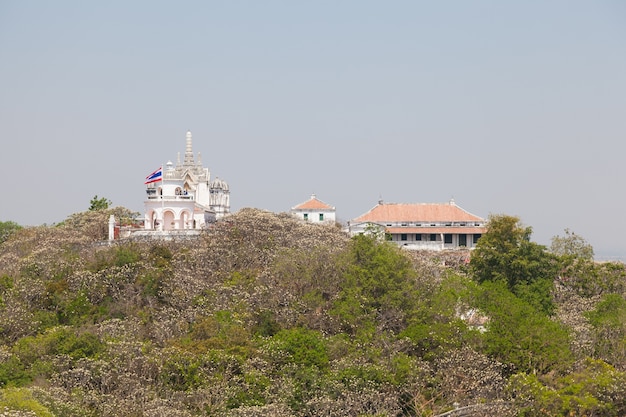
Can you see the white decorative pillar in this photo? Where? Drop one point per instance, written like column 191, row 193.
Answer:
column 111, row 227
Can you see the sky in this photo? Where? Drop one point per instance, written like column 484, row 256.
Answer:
column 513, row 108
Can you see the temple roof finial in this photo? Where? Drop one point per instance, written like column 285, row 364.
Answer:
column 188, row 150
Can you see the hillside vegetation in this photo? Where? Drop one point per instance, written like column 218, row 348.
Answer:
column 264, row 315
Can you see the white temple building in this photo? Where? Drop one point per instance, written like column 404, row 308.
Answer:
column 183, row 197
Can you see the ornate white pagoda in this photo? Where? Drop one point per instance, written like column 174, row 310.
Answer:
column 183, row 196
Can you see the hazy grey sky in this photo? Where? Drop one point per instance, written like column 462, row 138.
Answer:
column 507, row 107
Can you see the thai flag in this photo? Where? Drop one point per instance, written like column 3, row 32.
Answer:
column 155, row 176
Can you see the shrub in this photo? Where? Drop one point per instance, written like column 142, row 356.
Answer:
column 13, row 372
column 21, row 399
column 58, row 341
column 303, row 347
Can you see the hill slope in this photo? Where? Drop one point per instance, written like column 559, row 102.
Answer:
column 264, row 315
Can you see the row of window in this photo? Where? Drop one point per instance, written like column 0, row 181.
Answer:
column 321, row 216
column 449, row 224
column 447, row 238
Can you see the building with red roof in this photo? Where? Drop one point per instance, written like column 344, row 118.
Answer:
column 314, row 210
column 432, row 226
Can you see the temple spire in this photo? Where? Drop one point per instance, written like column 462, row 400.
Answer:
column 188, row 150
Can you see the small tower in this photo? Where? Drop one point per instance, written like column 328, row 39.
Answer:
column 219, row 198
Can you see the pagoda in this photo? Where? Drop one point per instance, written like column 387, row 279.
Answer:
column 183, row 196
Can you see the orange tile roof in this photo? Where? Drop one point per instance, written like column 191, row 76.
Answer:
column 313, row 204
column 421, row 212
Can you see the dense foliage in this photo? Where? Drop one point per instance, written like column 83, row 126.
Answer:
column 7, row 228
column 265, row 315
column 505, row 254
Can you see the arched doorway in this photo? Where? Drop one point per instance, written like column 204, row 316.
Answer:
column 168, row 220
column 185, row 220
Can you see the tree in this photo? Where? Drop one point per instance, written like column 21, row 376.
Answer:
column 520, row 335
column 571, row 245
column 378, row 288
column 506, row 254
column 99, row 203
column 8, row 228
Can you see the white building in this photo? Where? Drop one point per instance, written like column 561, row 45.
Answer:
column 183, row 196
column 314, row 210
column 428, row 226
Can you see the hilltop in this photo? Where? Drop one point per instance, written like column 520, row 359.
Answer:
column 265, row 315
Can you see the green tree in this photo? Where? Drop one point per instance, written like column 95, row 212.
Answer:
column 436, row 325
column 7, row 229
column 571, row 245
column 506, row 254
column 99, row 203
column 520, row 335
column 378, row 287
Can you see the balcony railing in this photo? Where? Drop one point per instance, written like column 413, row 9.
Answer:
column 170, row 197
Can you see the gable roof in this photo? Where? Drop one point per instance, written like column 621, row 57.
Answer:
column 422, row 212
column 313, row 204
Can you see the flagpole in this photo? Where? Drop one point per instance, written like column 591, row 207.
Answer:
column 151, row 181
column 163, row 197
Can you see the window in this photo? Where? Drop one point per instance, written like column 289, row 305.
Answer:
column 448, row 224
column 433, row 237
column 418, row 237
column 404, row 224
column 403, row 236
column 306, row 216
column 447, row 238
column 321, row 217
column 462, row 240
column 476, row 237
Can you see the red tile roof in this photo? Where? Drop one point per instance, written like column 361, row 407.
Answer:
column 313, row 204
column 421, row 212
